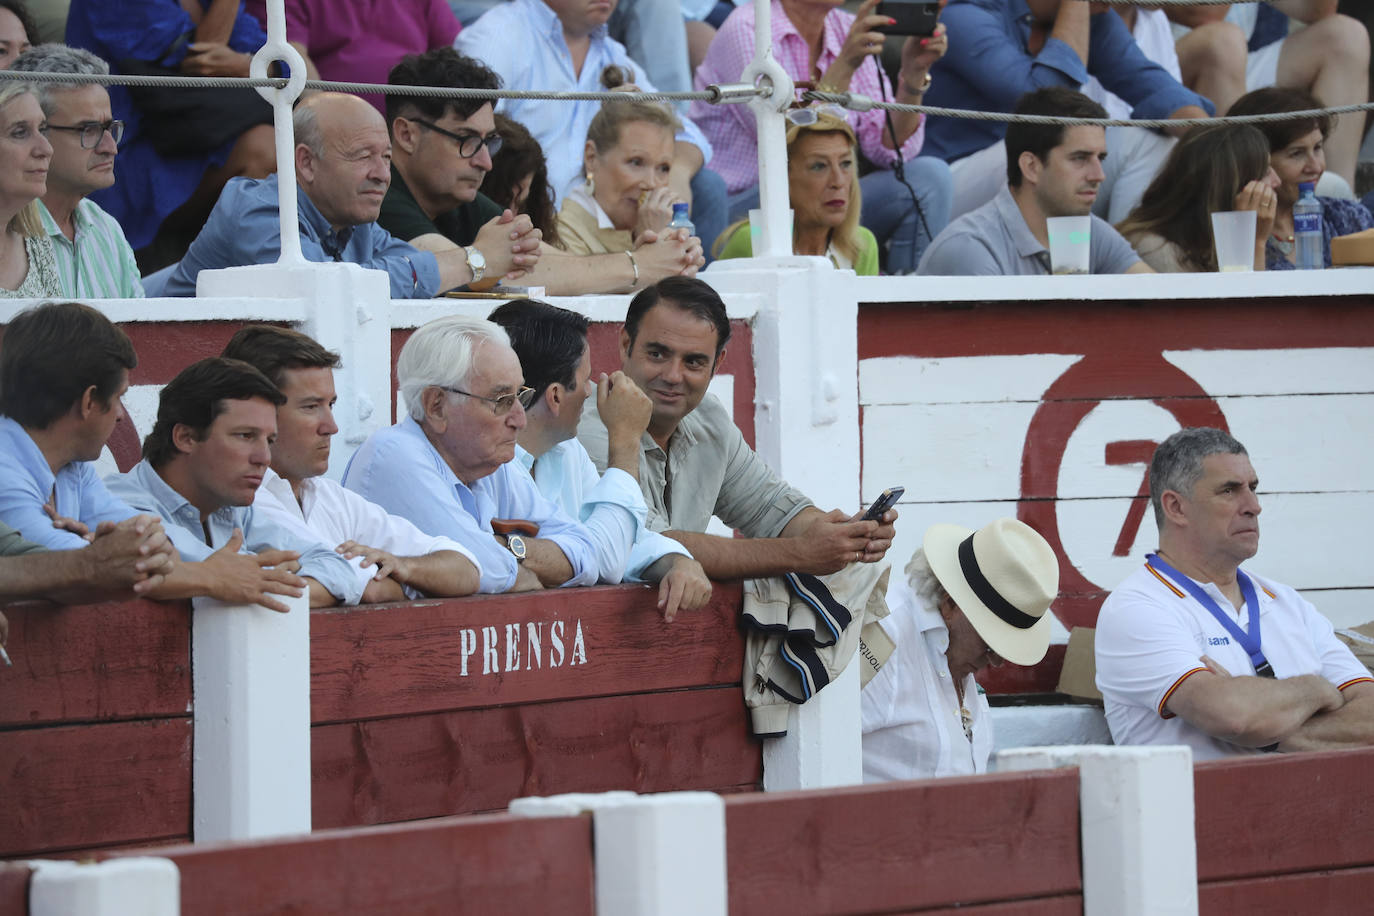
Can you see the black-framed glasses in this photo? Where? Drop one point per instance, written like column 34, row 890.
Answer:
column 469, row 142
column 503, row 404
column 92, row 131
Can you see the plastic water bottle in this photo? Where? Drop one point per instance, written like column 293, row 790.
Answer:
column 1307, row 228
column 680, row 220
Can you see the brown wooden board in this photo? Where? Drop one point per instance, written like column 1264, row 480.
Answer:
column 904, row 846
column 14, row 889
column 486, row 864
column 122, row 660
column 370, row 662
column 1281, row 813
column 478, row 760
column 73, row 787
column 1315, row 893
column 1063, row 905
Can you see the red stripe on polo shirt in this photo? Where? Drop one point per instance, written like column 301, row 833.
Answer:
column 1163, row 714
column 1170, row 586
column 1356, row 680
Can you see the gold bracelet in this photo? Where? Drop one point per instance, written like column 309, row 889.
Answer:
column 925, row 86
column 633, row 266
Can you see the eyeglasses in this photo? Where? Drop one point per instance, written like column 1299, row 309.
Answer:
column 502, row 405
column 805, row 117
column 468, row 142
column 92, row 131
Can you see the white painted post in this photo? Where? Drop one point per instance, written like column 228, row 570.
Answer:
column 277, row 49
column 1139, row 840
column 774, row 241
column 251, row 686
column 661, row 854
column 117, row 887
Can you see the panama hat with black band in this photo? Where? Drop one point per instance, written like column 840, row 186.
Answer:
column 1003, row 577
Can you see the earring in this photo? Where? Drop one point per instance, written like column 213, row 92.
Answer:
column 591, row 186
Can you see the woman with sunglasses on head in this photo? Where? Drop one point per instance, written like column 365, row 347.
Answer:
column 1212, row 168
column 823, row 187
column 28, row 266
column 626, row 198
column 1297, row 153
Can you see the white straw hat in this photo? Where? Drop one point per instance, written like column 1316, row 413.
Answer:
column 1003, row 577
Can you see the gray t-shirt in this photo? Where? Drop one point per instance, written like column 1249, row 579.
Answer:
column 994, row 240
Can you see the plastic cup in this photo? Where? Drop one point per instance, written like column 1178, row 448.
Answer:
column 1234, row 234
column 756, row 229
column 1070, row 243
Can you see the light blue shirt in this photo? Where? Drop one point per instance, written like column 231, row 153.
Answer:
column 27, row 482
column 144, row 489
column 399, row 469
column 523, row 42
column 611, row 507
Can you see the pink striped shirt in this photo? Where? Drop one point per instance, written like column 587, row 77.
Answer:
column 731, row 128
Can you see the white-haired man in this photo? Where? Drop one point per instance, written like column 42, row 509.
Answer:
column 447, row 465
column 971, row 599
column 94, row 259
column 1193, row 650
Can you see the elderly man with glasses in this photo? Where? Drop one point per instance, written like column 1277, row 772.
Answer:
column 447, row 465
column 343, row 169
column 94, row 258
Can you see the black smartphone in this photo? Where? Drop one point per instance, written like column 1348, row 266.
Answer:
column 914, row 17
column 886, row 500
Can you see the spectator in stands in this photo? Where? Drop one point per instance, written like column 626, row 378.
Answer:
column 28, row 265
column 63, row 369
column 94, row 259
column 48, row 17
column 16, row 31
column 360, row 41
column 343, row 169
column 552, row 345
column 178, row 153
column 1328, row 58
column 1213, row 168
column 447, row 465
column 625, row 191
column 434, row 202
column 695, row 462
column 823, row 187
column 393, row 558
column 1297, row 151
column 519, row 178
column 1006, row 48
column 130, row 558
column 1173, row 664
column 970, row 599
column 1052, row 170
column 818, row 41
column 562, row 45
column 201, row 468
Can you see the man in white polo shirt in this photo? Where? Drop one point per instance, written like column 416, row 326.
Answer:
column 1191, row 649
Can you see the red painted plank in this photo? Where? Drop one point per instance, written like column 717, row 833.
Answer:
column 485, row 864
column 478, row 760
column 164, row 348
column 122, row 660
column 1284, row 813
column 1118, row 331
column 372, row 662
column 1337, row 893
column 73, row 787
column 1064, row 905
column 904, row 846
column 14, row 889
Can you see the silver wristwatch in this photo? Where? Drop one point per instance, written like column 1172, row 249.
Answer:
column 476, row 262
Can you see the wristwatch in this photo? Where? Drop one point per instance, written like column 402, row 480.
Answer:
column 476, row 263
column 516, row 545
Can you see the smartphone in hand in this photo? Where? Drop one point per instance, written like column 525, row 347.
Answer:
column 914, row 17
column 886, row 500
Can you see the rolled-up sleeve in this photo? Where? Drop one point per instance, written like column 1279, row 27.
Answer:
column 519, row 497
column 318, row 560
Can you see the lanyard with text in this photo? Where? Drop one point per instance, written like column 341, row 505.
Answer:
column 1250, row 641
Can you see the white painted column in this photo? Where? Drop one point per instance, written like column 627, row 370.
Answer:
column 661, row 854
column 823, row 745
column 1138, row 834
column 774, row 239
column 117, row 887
column 251, row 686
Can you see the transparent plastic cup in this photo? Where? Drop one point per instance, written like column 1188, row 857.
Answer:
column 1070, row 243
column 1234, row 234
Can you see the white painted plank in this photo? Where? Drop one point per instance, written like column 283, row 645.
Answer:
column 958, row 380
column 1315, row 371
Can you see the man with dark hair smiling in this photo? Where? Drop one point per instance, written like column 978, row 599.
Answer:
column 389, row 552
column 201, row 468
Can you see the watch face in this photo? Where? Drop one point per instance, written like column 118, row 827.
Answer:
column 476, row 259
column 517, row 546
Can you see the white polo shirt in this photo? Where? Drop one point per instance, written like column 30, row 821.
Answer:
column 912, row 726
column 1151, row 635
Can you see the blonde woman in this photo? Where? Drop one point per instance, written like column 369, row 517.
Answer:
column 823, row 187
column 28, row 266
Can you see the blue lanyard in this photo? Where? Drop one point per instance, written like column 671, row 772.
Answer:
column 1250, row 641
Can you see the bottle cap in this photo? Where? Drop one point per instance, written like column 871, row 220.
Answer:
column 1306, row 186
column 679, row 210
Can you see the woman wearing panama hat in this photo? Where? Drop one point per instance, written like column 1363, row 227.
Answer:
column 971, row 599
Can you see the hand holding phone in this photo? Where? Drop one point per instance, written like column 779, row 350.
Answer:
column 914, row 17
column 886, row 500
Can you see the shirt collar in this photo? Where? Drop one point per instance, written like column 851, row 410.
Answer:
column 524, row 458
column 833, row 34
column 160, row 490
column 578, row 193
column 930, row 622
column 1027, row 245
column 29, row 454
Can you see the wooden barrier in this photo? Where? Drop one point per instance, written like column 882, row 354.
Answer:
column 1007, row 842
column 14, row 889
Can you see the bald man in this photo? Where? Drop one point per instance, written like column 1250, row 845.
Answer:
column 343, row 168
